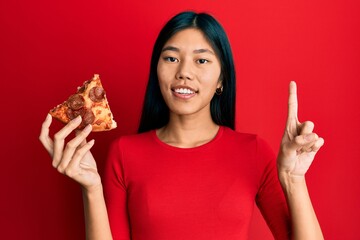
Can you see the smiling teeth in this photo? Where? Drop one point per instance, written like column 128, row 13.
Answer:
column 184, row 91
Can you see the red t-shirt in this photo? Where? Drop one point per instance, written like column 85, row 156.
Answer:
column 155, row 191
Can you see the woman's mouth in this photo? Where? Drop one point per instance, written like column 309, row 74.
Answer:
column 183, row 92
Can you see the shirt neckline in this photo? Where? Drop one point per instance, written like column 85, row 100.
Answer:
column 200, row 147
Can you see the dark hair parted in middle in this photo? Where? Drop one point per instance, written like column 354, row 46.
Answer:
column 155, row 113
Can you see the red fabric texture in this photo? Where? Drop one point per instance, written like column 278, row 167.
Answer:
column 155, row 191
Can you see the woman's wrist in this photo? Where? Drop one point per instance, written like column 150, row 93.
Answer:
column 291, row 183
column 304, row 222
column 92, row 190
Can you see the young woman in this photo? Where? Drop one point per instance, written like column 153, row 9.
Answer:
column 188, row 174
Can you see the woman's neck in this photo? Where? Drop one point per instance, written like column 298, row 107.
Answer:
column 188, row 131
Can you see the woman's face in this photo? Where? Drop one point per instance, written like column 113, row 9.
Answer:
column 188, row 72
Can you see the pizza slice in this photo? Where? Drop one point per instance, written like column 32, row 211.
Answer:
column 90, row 103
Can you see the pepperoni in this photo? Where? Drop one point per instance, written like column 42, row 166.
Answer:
column 88, row 117
column 96, row 94
column 76, row 102
column 74, row 113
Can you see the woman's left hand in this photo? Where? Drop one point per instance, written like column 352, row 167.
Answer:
column 299, row 144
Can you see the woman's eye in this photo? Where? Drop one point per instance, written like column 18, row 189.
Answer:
column 202, row 61
column 170, row 59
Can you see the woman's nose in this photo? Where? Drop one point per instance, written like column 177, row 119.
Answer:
column 184, row 71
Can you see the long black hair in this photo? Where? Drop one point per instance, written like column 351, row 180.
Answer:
column 155, row 113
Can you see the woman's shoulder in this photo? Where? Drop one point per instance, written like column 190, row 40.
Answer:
column 244, row 138
column 134, row 139
column 239, row 135
column 249, row 142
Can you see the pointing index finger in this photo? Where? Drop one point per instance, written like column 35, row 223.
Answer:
column 293, row 102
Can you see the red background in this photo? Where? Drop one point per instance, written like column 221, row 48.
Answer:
column 48, row 48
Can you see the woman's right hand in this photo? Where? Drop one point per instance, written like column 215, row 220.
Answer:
column 73, row 159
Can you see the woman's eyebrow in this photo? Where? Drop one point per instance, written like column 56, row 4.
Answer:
column 204, row 50
column 175, row 49
column 170, row 48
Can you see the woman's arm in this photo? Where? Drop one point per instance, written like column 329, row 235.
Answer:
column 303, row 219
column 96, row 217
column 75, row 160
column 298, row 148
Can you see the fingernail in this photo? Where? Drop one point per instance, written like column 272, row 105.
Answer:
column 77, row 119
column 91, row 142
column 87, row 128
column 309, row 137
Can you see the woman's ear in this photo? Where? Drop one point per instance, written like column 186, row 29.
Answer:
column 219, row 87
column 219, row 83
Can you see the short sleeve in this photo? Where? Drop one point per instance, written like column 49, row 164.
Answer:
column 115, row 194
column 270, row 198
